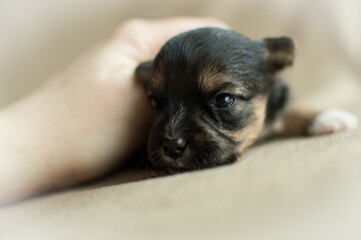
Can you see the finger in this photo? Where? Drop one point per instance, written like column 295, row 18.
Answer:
column 146, row 37
column 165, row 29
column 172, row 26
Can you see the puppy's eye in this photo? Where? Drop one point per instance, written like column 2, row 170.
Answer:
column 224, row 100
column 153, row 101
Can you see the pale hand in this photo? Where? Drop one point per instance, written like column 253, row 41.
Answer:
column 86, row 120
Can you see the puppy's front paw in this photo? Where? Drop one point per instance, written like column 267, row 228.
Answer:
column 332, row 121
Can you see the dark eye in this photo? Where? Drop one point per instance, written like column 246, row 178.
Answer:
column 153, row 101
column 224, row 100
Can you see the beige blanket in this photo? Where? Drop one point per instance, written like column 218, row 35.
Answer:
column 307, row 188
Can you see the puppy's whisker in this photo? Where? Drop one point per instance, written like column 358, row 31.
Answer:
column 217, row 130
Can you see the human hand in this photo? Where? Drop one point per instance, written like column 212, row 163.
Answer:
column 88, row 119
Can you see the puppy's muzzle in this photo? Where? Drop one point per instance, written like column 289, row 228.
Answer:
column 174, row 147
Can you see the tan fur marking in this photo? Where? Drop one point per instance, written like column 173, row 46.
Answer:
column 280, row 57
column 157, row 79
column 250, row 133
column 211, row 79
column 295, row 122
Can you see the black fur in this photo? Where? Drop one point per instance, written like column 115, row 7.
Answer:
column 277, row 100
column 183, row 108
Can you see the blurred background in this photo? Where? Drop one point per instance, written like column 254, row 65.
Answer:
column 306, row 186
column 40, row 37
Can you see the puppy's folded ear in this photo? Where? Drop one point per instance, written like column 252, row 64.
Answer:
column 279, row 52
column 144, row 73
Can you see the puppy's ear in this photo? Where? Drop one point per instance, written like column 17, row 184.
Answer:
column 279, row 53
column 144, row 73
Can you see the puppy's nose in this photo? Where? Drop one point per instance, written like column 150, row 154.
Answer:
column 174, row 147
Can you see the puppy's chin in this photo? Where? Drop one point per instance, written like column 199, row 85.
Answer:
column 174, row 165
column 190, row 162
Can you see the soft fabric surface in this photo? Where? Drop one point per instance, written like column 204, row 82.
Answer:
column 304, row 188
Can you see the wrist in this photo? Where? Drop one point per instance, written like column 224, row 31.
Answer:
column 24, row 171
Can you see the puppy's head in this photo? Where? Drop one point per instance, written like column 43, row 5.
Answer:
column 208, row 91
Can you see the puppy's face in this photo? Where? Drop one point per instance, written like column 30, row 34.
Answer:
column 208, row 92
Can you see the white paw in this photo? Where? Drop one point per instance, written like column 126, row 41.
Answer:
column 332, row 121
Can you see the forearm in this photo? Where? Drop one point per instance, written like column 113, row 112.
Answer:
column 24, row 170
column 62, row 135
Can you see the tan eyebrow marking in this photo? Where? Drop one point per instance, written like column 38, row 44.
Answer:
column 211, row 79
column 157, row 79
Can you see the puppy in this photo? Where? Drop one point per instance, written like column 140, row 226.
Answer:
column 214, row 92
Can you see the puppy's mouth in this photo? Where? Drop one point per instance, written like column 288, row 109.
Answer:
column 172, row 165
column 189, row 161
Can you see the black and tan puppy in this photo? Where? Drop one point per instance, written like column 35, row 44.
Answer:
column 213, row 92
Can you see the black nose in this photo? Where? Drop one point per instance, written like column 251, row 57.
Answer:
column 174, row 147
